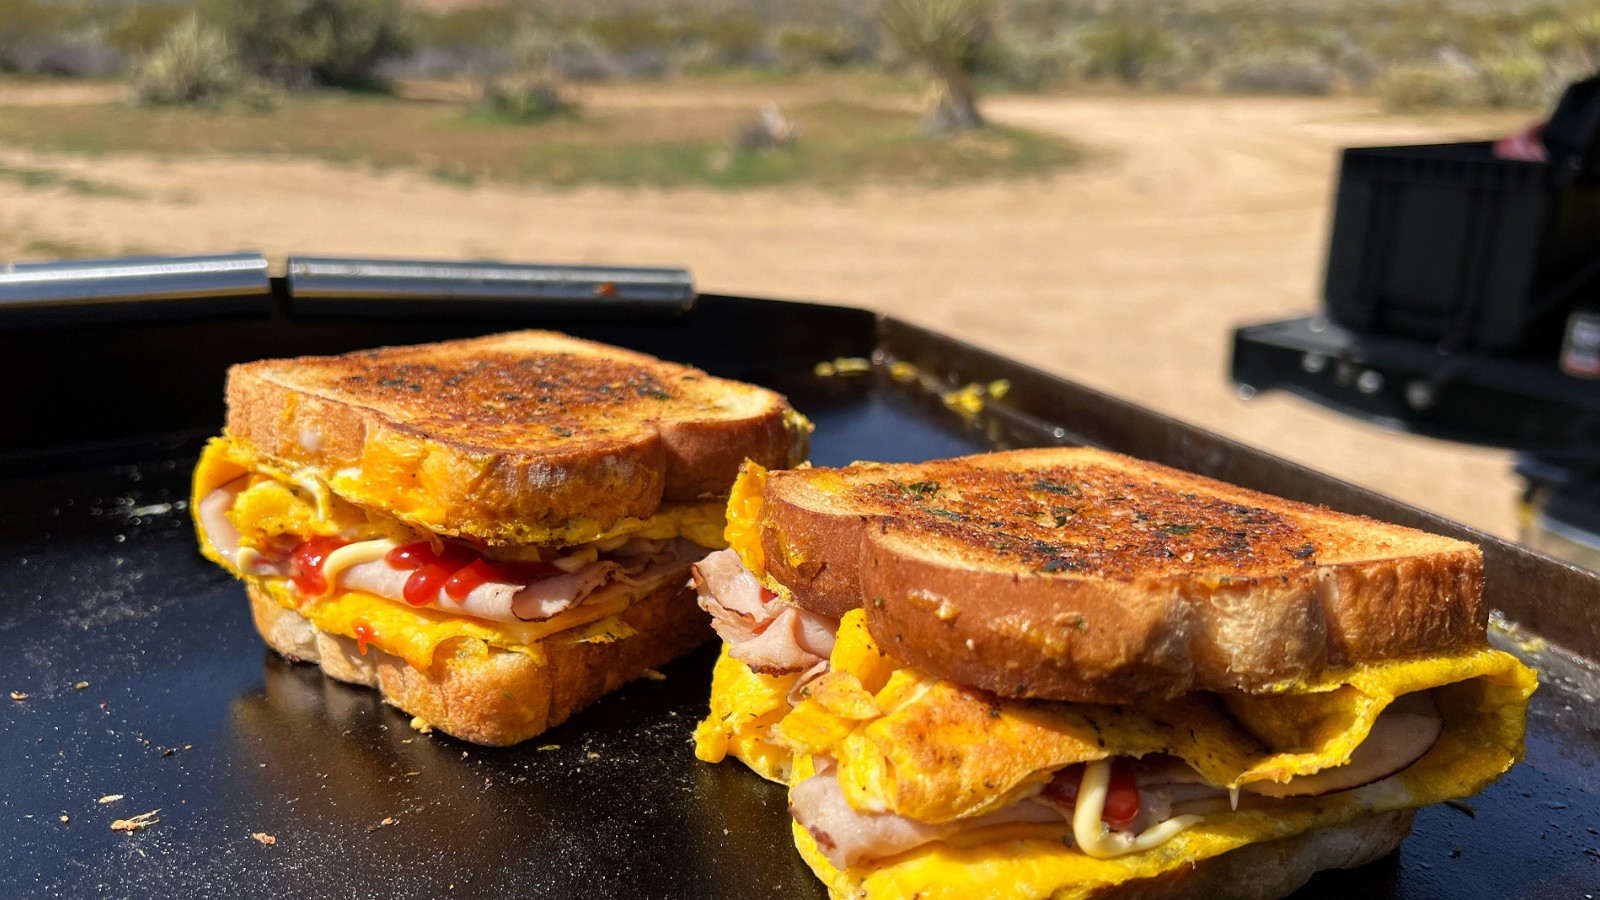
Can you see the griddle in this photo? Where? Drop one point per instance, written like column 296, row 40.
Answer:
column 144, row 679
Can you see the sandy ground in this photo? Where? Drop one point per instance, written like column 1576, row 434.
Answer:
column 1198, row 214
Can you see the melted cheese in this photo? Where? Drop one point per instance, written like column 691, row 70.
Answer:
column 910, row 744
column 416, row 635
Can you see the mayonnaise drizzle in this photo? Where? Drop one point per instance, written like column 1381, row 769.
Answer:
column 354, row 555
column 1100, row 842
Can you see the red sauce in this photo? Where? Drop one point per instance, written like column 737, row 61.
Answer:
column 455, row 570
column 1122, row 794
column 474, row 574
column 364, row 636
column 305, row 565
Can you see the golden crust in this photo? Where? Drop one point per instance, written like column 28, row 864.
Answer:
column 502, row 438
column 1073, row 574
column 500, row 698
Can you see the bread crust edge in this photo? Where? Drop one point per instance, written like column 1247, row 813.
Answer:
column 507, row 697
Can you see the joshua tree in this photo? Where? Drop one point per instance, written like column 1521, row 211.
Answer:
column 943, row 36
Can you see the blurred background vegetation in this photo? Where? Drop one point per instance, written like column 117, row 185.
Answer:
column 524, row 64
column 1411, row 53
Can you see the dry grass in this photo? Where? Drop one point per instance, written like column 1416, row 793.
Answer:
column 635, row 137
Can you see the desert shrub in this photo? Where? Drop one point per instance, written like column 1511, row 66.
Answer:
column 1030, row 61
column 471, row 26
column 731, row 38
column 298, row 43
column 194, row 64
column 526, row 95
column 24, row 24
column 530, row 88
column 947, row 39
column 632, row 32
column 1128, row 49
column 39, row 37
column 803, row 47
column 1414, row 86
column 1277, row 71
column 139, row 29
column 1514, row 77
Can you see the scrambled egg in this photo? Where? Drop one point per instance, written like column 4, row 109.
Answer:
column 909, row 743
column 276, row 503
column 378, row 486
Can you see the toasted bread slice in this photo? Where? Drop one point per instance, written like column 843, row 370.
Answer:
column 527, row 437
column 500, row 698
column 1075, row 574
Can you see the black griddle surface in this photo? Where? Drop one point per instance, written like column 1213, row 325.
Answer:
column 186, row 712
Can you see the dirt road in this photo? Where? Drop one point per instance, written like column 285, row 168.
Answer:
column 1127, row 274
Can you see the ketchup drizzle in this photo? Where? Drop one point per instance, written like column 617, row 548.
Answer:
column 305, row 565
column 455, row 570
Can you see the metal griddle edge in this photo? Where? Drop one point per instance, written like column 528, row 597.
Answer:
column 145, row 680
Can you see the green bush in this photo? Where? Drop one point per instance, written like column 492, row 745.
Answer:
column 1408, row 87
column 732, row 38
column 193, row 65
column 530, row 89
column 1515, row 77
column 1029, row 61
column 27, row 23
column 802, row 47
column 298, row 43
column 628, row 32
column 138, row 30
column 472, row 26
column 1127, row 49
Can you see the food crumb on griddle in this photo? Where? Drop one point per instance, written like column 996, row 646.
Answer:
column 592, row 755
column 549, row 747
column 142, row 820
column 412, row 774
column 19, row 696
column 384, row 823
column 652, row 675
column 80, row 685
column 65, row 818
column 421, row 725
column 110, row 798
column 263, row 838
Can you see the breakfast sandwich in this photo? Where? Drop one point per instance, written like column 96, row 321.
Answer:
column 492, row 532
column 1067, row 673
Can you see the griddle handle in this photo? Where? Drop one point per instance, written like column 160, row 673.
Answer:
column 134, row 289
column 344, row 288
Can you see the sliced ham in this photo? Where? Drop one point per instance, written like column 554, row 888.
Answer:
column 730, row 592
column 638, row 562
column 225, row 538
column 539, row 600
column 214, row 519
column 849, row 837
column 761, row 631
